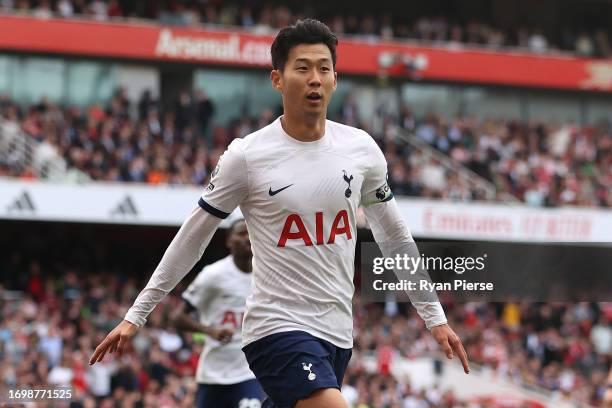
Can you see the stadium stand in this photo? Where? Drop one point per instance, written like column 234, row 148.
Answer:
column 61, row 305
column 63, row 309
column 543, row 164
column 454, row 30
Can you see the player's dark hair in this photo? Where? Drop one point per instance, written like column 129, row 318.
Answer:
column 308, row 31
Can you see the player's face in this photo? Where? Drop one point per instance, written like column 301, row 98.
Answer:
column 238, row 240
column 307, row 81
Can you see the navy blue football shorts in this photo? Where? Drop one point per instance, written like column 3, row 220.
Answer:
column 246, row 394
column 292, row 365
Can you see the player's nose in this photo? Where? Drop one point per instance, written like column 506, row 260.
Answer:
column 315, row 78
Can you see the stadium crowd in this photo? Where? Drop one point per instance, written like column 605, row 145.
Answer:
column 52, row 314
column 561, row 347
column 542, row 164
column 267, row 18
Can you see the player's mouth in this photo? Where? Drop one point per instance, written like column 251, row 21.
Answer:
column 314, row 98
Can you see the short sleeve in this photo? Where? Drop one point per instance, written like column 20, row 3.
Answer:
column 201, row 289
column 228, row 186
column 375, row 188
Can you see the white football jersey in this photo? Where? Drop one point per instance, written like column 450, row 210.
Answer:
column 219, row 294
column 300, row 202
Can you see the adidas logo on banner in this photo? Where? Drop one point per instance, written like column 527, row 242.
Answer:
column 125, row 208
column 23, row 203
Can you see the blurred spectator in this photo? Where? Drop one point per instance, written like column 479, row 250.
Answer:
column 43, row 10
column 184, row 112
column 537, row 42
column 61, row 375
column 205, row 111
column 432, row 175
column 584, row 45
column 51, row 346
column 601, row 336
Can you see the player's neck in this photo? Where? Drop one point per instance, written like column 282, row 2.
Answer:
column 244, row 263
column 304, row 129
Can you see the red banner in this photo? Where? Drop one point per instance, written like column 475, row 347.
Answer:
column 152, row 42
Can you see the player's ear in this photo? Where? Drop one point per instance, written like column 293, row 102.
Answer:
column 276, row 79
column 335, row 79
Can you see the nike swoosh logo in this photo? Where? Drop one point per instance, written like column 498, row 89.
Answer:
column 275, row 192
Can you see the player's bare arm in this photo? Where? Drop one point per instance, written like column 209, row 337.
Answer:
column 184, row 321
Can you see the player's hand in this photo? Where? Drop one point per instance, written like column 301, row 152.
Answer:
column 224, row 336
column 451, row 344
column 116, row 340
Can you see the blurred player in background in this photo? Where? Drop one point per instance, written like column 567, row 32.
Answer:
column 607, row 398
column 218, row 296
column 298, row 182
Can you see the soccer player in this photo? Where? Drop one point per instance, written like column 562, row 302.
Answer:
column 298, row 182
column 218, row 294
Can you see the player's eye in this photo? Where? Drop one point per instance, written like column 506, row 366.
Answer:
column 325, row 69
column 302, row 68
